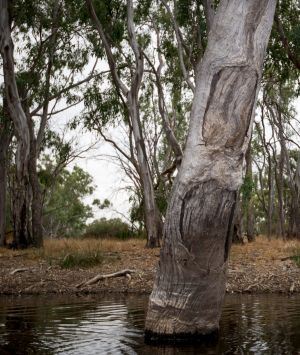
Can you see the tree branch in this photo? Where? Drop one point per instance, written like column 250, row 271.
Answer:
column 209, row 13
column 180, row 50
column 110, row 57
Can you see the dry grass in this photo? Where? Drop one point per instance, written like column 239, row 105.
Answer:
column 106, row 245
column 85, row 252
column 54, row 247
column 260, row 251
column 263, row 249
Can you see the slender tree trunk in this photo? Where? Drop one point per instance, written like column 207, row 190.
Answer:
column 237, row 235
column 153, row 222
column 250, row 220
column 280, row 187
column 20, row 206
column 188, row 293
column 36, row 201
column 152, row 216
column 295, row 208
column 270, row 196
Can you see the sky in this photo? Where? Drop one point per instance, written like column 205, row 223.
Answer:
column 108, row 177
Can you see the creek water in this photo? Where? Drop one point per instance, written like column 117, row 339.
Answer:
column 109, row 324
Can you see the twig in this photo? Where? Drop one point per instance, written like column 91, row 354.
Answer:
column 19, row 270
column 126, row 272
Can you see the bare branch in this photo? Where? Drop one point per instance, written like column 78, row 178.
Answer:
column 180, row 49
column 162, row 109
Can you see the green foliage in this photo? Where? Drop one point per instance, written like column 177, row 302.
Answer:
column 296, row 257
column 64, row 212
column 278, row 66
column 109, row 228
column 102, row 205
column 247, row 189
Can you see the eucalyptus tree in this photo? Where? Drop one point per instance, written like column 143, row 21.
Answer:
column 128, row 89
column 18, row 117
column 51, row 62
column 189, row 288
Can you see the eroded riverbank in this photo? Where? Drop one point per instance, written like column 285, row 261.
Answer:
column 260, row 267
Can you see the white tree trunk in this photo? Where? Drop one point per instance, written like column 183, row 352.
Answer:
column 189, row 288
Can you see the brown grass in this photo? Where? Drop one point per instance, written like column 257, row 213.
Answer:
column 106, row 245
column 259, row 251
column 263, row 249
column 55, row 247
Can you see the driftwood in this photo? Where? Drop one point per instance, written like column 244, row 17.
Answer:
column 126, row 272
column 19, row 270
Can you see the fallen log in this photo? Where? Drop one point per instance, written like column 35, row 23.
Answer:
column 126, row 273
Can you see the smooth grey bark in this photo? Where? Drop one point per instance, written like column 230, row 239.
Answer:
column 20, row 201
column 153, row 221
column 34, row 192
column 188, row 292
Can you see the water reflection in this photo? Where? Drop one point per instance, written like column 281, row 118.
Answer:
column 114, row 325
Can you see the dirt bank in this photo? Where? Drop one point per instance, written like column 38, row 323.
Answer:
column 260, row 267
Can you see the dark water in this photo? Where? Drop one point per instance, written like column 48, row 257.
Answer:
column 114, row 325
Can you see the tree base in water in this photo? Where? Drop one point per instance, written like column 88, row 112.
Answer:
column 181, row 338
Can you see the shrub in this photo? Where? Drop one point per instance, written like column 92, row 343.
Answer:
column 82, row 259
column 296, row 257
column 109, row 228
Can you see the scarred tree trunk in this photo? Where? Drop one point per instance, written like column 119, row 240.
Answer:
column 187, row 297
column 20, row 201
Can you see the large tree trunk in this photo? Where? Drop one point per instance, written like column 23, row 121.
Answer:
column 20, row 206
column 5, row 139
column 3, row 187
column 36, row 200
column 34, row 193
column 187, row 297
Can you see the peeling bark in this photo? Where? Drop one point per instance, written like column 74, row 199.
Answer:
column 188, row 293
column 20, row 200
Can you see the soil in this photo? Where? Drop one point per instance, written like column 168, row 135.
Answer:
column 259, row 267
